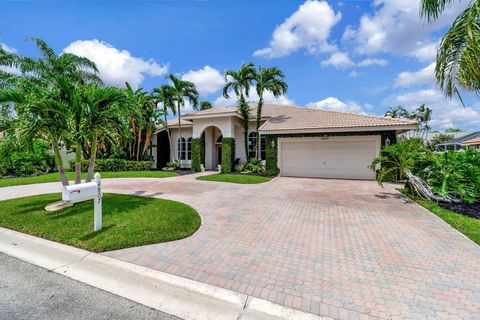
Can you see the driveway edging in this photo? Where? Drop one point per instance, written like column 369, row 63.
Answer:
column 185, row 298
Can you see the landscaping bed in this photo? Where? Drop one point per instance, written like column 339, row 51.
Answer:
column 235, row 178
column 468, row 209
column 128, row 221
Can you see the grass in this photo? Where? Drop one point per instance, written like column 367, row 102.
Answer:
column 235, row 178
column 469, row 226
column 128, row 221
column 54, row 177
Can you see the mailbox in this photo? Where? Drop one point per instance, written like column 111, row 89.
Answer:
column 80, row 192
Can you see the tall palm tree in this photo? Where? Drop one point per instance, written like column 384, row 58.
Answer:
column 164, row 96
column 39, row 114
column 240, row 82
column 104, row 111
column 457, row 66
column 423, row 116
column 57, row 76
column 182, row 90
column 267, row 79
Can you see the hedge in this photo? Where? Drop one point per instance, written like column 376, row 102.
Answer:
column 196, row 155
column 228, row 154
column 104, row 165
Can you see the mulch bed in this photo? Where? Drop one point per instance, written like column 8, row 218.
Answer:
column 471, row 210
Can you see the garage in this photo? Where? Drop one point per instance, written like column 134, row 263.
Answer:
column 343, row 157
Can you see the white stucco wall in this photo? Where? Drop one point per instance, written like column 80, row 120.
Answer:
column 154, row 150
column 225, row 124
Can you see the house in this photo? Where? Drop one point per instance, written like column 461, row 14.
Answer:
column 464, row 141
column 294, row 141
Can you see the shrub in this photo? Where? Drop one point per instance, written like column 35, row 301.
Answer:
column 36, row 161
column 175, row 164
column 105, row 165
column 253, row 166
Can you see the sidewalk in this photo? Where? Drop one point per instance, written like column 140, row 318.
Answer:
column 171, row 294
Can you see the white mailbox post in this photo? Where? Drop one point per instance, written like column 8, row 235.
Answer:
column 87, row 191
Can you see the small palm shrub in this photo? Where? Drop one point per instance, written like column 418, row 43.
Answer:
column 252, row 166
column 175, row 164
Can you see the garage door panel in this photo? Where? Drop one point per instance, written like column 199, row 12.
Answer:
column 346, row 159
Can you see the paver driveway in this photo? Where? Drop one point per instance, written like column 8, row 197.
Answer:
column 344, row 249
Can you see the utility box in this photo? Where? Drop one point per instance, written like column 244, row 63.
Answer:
column 80, row 192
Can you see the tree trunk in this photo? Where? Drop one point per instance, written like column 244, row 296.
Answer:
column 78, row 164
column 139, row 143
column 148, row 137
column 169, row 136
column 93, row 157
column 179, row 134
column 59, row 163
column 244, row 110
column 259, row 118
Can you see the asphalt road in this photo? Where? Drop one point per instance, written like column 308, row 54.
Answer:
column 30, row 292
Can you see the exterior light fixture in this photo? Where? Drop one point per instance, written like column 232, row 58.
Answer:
column 387, row 141
column 273, row 143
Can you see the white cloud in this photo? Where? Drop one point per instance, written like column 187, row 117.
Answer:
column 309, row 27
column 116, row 66
column 207, row 80
column 396, row 27
column 353, row 74
column 445, row 113
column 335, row 104
column 423, row 76
column 268, row 97
column 338, row 60
column 372, row 62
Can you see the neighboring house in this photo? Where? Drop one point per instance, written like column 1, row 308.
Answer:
column 465, row 141
column 296, row 141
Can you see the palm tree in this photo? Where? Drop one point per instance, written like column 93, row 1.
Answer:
column 267, row 79
column 104, row 111
column 38, row 114
column 423, row 116
column 397, row 112
column 204, row 105
column 57, row 77
column 182, row 90
column 240, row 82
column 458, row 54
column 164, row 95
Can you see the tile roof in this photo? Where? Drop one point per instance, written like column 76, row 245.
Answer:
column 471, row 141
column 286, row 118
column 212, row 111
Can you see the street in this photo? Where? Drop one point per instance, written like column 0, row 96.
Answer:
column 30, row 292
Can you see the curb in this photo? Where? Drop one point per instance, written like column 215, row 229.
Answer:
column 184, row 298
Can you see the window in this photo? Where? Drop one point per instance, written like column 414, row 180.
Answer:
column 252, row 145
column 189, row 148
column 181, row 148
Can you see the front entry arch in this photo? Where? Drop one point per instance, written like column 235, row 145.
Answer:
column 213, row 149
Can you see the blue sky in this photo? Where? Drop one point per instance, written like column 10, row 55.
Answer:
column 356, row 56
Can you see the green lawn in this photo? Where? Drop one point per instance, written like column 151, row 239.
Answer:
column 235, row 178
column 128, row 221
column 53, row 177
column 466, row 225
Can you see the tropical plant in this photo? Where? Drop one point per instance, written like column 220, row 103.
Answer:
column 397, row 158
column 398, row 112
column 104, row 111
column 182, row 90
column 272, row 80
column 452, row 130
column 204, row 105
column 455, row 175
column 144, row 118
column 240, row 82
column 165, row 97
column 47, row 88
column 458, row 54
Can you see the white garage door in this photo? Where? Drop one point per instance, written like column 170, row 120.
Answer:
column 337, row 157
